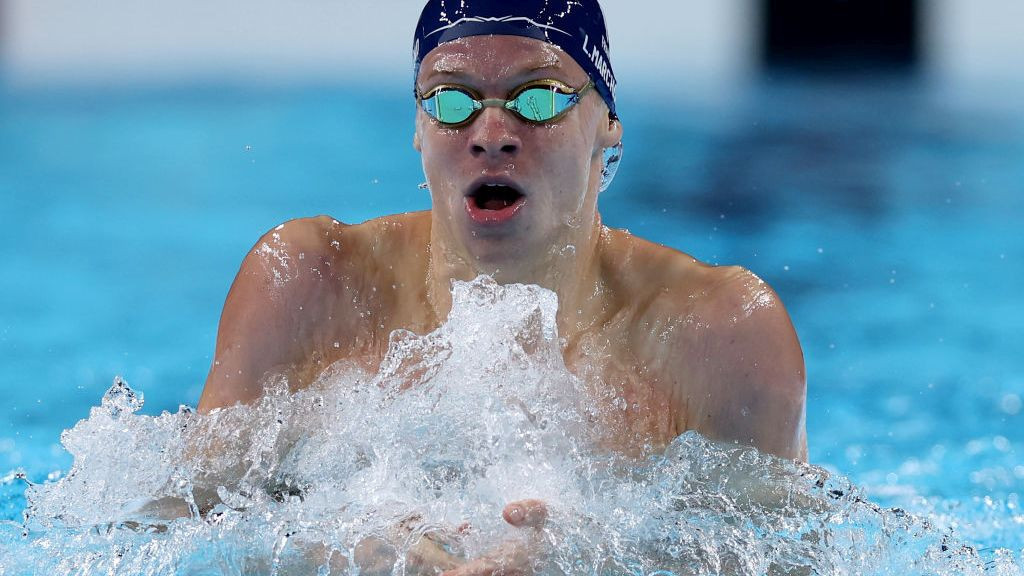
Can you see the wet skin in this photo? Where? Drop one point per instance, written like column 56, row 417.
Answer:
column 688, row 346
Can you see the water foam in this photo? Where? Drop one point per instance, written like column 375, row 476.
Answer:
column 369, row 470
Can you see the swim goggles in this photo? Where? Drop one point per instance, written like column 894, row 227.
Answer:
column 537, row 102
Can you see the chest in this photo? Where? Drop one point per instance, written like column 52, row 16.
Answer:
column 638, row 411
column 637, row 406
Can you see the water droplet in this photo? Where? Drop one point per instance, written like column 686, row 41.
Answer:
column 1010, row 404
column 120, row 399
column 1001, row 443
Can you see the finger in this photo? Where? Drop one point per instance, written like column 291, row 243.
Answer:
column 526, row 513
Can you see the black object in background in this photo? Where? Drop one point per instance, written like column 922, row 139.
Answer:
column 840, row 35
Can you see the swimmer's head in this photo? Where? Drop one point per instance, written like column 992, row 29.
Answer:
column 575, row 26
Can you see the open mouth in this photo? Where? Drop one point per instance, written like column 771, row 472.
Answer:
column 492, row 203
column 494, row 196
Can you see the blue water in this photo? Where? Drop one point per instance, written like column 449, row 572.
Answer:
column 885, row 212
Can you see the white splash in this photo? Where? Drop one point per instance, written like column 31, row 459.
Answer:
column 455, row 424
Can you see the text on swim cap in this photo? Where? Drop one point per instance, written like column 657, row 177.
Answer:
column 600, row 62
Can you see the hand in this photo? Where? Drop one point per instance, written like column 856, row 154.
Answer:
column 512, row 558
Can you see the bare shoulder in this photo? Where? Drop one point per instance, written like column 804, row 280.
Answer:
column 278, row 257
column 300, row 300
column 724, row 341
column 754, row 382
column 282, row 271
column 309, row 251
column 733, row 298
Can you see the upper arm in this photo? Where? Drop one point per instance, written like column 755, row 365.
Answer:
column 747, row 367
column 269, row 319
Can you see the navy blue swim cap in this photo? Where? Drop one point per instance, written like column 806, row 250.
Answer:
column 575, row 26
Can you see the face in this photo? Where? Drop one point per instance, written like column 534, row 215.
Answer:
column 507, row 194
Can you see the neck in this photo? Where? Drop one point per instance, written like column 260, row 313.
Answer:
column 571, row 269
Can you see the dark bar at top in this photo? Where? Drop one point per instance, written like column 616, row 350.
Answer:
column 838, row 35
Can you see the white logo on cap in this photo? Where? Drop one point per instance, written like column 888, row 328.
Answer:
column 498, row 19
column 600, row 62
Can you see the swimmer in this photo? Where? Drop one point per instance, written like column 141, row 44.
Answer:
column 515, row 116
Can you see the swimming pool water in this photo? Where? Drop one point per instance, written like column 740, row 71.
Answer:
column 886, row 213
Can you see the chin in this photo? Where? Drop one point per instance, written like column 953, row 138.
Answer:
column 513, row 260
column 490, row 255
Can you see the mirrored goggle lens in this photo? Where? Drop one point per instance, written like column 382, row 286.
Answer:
column 450, row 106
column 542, row 103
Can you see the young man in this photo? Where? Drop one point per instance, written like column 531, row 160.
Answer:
column 516, row 107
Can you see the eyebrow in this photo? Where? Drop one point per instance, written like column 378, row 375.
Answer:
column 544, row 65
column 444, row 68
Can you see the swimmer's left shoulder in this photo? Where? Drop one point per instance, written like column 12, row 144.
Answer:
column 671, row 283
column 756, row 383
column 735, row 307
column 735, row 293
column 722, row 343
column 644, row 268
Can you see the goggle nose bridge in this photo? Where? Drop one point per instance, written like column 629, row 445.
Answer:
column 495, row 103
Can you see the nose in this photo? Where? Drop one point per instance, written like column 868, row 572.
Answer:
column 494, row 134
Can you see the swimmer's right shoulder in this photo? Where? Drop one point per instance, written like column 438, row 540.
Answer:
column 296, row 284
column 317, row 238
column 313, row 234
column 327, row 234
column 292, row 257
column 322, row 248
